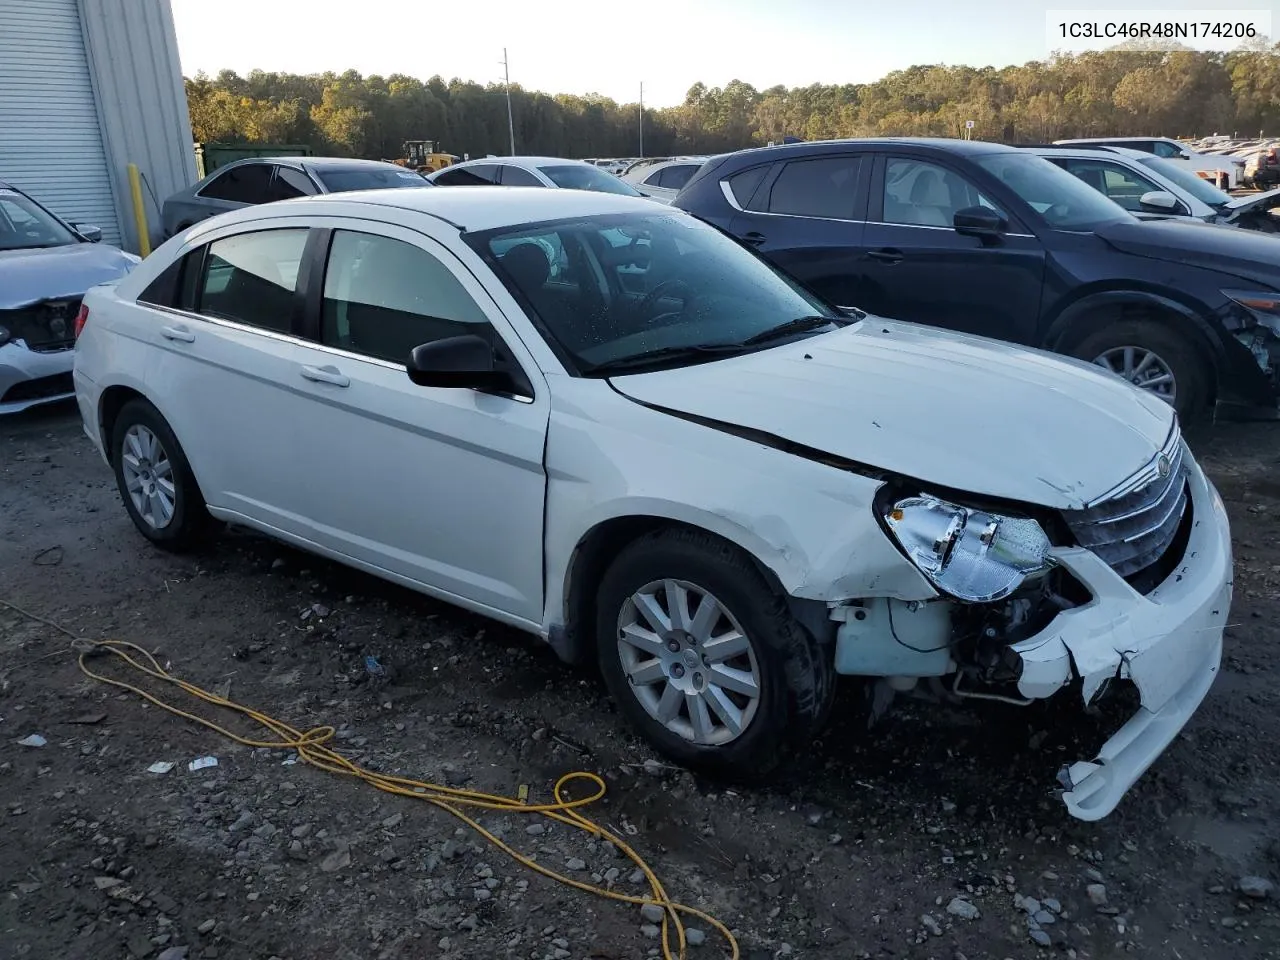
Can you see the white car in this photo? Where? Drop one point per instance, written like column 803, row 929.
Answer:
column 724, row 490
column 663, row 179
column 1223, row 172
column 554, row 172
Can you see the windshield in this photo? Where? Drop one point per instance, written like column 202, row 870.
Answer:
column 24, row 224
column 1061, row 199
column 581, row 176
column 369, row 178
column 616, row 288
column 1202, row 190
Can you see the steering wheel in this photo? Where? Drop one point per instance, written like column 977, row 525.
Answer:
column 666, row 288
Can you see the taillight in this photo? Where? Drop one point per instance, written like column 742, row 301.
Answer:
column 82, row 318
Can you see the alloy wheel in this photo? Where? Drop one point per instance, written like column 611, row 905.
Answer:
column 1143, row 368
column 689, row 662
column 148, row 476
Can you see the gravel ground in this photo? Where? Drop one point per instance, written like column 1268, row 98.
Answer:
column 936, row 835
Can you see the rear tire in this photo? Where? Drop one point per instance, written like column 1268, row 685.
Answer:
column 734, row 715
column 1147, row 351
column 155, row 480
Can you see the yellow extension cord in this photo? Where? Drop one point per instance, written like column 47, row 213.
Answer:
column 311, row 749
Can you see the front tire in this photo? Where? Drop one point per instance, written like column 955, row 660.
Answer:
column 155, row 480
column 1155, row 358
column 705, row 659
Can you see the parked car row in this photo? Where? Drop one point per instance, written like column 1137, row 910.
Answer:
column 1225, row 172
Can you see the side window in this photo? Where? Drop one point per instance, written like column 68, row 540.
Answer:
column 163, row 290
column 291, row 183
column 1112, row 180
column 1167, row 150
column 1146, row 146
column 484, row 175
column 654, row 179
column 673, row 178
column 744, row 185
column 248, row 183
column 383, row 297
column 518, row 177
column 923, row 194
column 251, row 277
column 826, row 187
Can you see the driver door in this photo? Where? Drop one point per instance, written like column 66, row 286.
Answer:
column 915, row 266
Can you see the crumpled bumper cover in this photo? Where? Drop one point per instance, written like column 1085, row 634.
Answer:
column 1168, row 643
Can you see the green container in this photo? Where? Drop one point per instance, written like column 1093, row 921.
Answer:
column 211, row 156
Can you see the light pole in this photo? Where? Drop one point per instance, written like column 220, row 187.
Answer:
column 641, row 119
column 506, row 77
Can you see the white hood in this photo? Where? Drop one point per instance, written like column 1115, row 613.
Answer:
column 963, row 412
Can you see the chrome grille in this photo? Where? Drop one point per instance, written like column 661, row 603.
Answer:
column 1132, row 526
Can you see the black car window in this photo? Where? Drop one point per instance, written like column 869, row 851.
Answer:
column 251, row 277
column 1112, row 180
column 385, row 176
column 480, row 175
column 518, row 177
column 652, row 180
column 1165, row 149
column 825, row 187
column 922, row 194
column 743, row 186
column 675, row 177
column 383, row 297
column 247, row 183
column 290, row 183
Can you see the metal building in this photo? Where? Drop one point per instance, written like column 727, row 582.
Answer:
column 86, row 88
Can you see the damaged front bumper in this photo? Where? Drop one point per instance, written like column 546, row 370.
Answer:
column 1168, row 643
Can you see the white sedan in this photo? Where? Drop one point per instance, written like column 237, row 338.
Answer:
column 609, row 425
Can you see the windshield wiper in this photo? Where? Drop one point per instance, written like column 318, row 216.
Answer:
column 798, row 325
column 700, row 351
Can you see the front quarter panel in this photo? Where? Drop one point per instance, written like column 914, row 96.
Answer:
column 811, row 524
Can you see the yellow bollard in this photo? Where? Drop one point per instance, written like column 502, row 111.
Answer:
column 139, row 212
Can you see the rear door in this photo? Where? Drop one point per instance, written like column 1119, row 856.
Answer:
column 807, row 216
column 242, row 185
column 474, row 175
column 917, row 267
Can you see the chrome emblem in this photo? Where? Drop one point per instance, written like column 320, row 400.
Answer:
column 1163, row 466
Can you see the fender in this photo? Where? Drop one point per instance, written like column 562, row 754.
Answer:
column 136, row 388
column 1059, row 328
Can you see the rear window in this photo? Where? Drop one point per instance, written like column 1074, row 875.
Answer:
column 582, row 176
column 743, row 185
column 369, row 178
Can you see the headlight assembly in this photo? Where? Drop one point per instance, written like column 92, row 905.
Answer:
column 1262, row 306
column 969, row 554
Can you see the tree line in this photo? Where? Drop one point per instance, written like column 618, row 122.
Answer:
column 1117, row 92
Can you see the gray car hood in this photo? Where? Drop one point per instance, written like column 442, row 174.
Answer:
column 1260, row 201
column 29, row 276
column 948, row 409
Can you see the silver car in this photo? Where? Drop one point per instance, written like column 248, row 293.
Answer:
column 264, row 179
column 552, row 172
column 46, row 265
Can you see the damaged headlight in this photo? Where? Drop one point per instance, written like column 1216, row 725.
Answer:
column 1262, row 305
column 969, row 554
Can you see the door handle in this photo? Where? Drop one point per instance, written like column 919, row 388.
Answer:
column 327, row 374
column 178, row 333
column 886, row 255
column 753, row 238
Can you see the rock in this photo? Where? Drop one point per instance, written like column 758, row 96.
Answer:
column 207, row 926
column 611, row 875
column 243, row 822
column 1052, row 905
column 654, row 768
column 1030, row 905
column 1093, row 874
column 393, row 821
column 339, row 858
column 652, row 913
column 301, row 832
column 1229, row 922
column 636, row 876
column 265, row 832
column 651, row 931
column 963, row 909
column 574, row 863
column 296, row 850
column 139, row 944
column 694, row 937
column 535, row 829
column 468, row 922
column 34, row 740
column 450, row 849
column 105, row 883
column 1256, row 888
column 930, row 924
column 1040, row 937
column 1044, row 918
column 482, row 893
column 1097, row 894
column 948, row 806
column 173, row 953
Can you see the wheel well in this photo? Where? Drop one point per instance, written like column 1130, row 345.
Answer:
column 595, row 551
column 1091, row 320
column 109, row 407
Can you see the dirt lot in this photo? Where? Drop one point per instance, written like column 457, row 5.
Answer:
column 858, row 853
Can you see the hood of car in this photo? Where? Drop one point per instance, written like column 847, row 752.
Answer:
column 1238, row 253
column 1260, row 201
column 955, row 411
column 45, row 273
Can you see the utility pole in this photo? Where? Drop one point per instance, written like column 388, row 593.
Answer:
column 641, row 119
column 506, row 77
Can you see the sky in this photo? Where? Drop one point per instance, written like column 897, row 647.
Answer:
column 611, row 47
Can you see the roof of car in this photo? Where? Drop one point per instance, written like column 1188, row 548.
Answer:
column 473, row 210
column 1094, row 152
column 936, row 143
column 318, row 162
column 1109, row 139
column 524, row 161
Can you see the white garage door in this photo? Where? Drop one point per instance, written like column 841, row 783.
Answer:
column 50, row 144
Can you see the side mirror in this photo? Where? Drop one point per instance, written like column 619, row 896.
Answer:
column 465, row 361
column 89, row 232
column 979, row 221
column 1159, row 201
column 5, row 336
